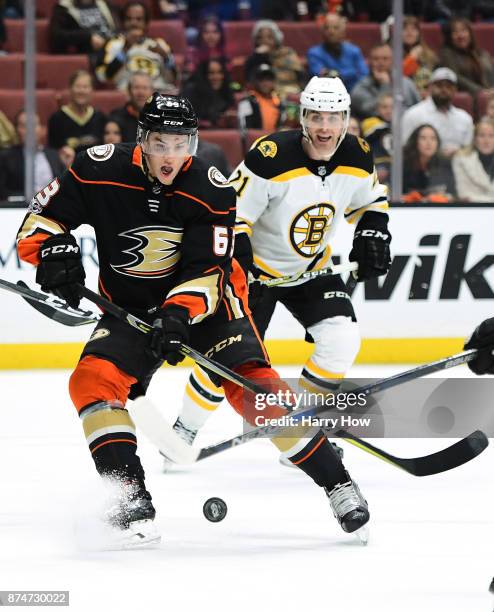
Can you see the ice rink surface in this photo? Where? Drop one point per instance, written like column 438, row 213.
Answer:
column 279, row 548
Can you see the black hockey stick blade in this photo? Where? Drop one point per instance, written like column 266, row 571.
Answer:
column 449, row 458
column 72, row 317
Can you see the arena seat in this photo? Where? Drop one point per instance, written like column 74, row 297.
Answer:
column 15, row 35
column 238, row 38
column 432, row 35
column 484, row 36
column 104, row 101
column 12, row 100
column 464, row 100
column 364, row 35
column 481, row 102
column 53, row 71
column 12, row 70
column 172, row 31
column 44, row 8
column 228, row 140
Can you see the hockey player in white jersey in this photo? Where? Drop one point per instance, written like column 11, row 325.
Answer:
column 294, row 188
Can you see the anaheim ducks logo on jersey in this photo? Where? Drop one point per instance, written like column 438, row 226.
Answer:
column 156, row 253
column 309, row 227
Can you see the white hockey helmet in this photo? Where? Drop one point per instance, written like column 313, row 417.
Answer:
column 325, row 94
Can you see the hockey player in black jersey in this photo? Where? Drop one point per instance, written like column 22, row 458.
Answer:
column 164, row 229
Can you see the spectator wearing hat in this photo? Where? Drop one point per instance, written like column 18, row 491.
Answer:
column 261, row 109
column 269, row 49
column 454, row 125
column 335, row 56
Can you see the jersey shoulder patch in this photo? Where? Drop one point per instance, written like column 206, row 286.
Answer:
column 101, row 152
column 275, row 154
column 216, row 177
column 356, row 153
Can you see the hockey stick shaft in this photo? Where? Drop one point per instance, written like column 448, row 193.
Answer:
column 351, row 266
column 50, row 305
column 471, row 445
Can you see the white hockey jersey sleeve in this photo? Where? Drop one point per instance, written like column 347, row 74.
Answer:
column 370, row 195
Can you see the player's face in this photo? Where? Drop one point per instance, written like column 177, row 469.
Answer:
column 165, row 155
column 324, row 129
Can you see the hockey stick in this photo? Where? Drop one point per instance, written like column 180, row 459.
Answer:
column 51, row 306
column 351, row 266
column 459, row 453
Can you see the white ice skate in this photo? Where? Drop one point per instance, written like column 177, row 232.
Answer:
column 350, row 509
column 187, row 434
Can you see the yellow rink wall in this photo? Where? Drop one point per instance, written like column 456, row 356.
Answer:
column 282, row 352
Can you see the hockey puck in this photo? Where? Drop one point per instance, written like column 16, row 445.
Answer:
column 214, row 509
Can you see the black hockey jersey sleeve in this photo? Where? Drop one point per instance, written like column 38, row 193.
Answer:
column 57, row 208
column 206, row 252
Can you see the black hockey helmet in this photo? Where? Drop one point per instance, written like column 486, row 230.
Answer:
column 167, row 114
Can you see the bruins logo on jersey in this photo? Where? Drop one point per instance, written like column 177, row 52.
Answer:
column 364, row 144
column 156, row 254
column 309, row 227
column 268, row 148
column 101, row 152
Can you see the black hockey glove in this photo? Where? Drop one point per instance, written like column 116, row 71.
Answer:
column 170, row 330
column 60, row 268
column 371, row 246
column 482, row 339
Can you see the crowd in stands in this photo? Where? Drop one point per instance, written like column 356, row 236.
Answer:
column 243, row 64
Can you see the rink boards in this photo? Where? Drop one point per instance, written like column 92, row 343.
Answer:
column 441, row 284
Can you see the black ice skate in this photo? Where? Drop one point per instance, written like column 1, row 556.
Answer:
column 187, row 434
column 350, row 509
column 133, row 515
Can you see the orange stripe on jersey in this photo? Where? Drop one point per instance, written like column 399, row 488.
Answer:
column 103, row 290
column 28, row 248
column 136, row 187
column 187, row 164
column 254, row 328
column 239, row 285
column 228, row 311
column 191, row 197
column 195, row 305
column 137, row 156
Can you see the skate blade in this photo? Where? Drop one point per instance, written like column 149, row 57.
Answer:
column 362, row 535
column 140, row 534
